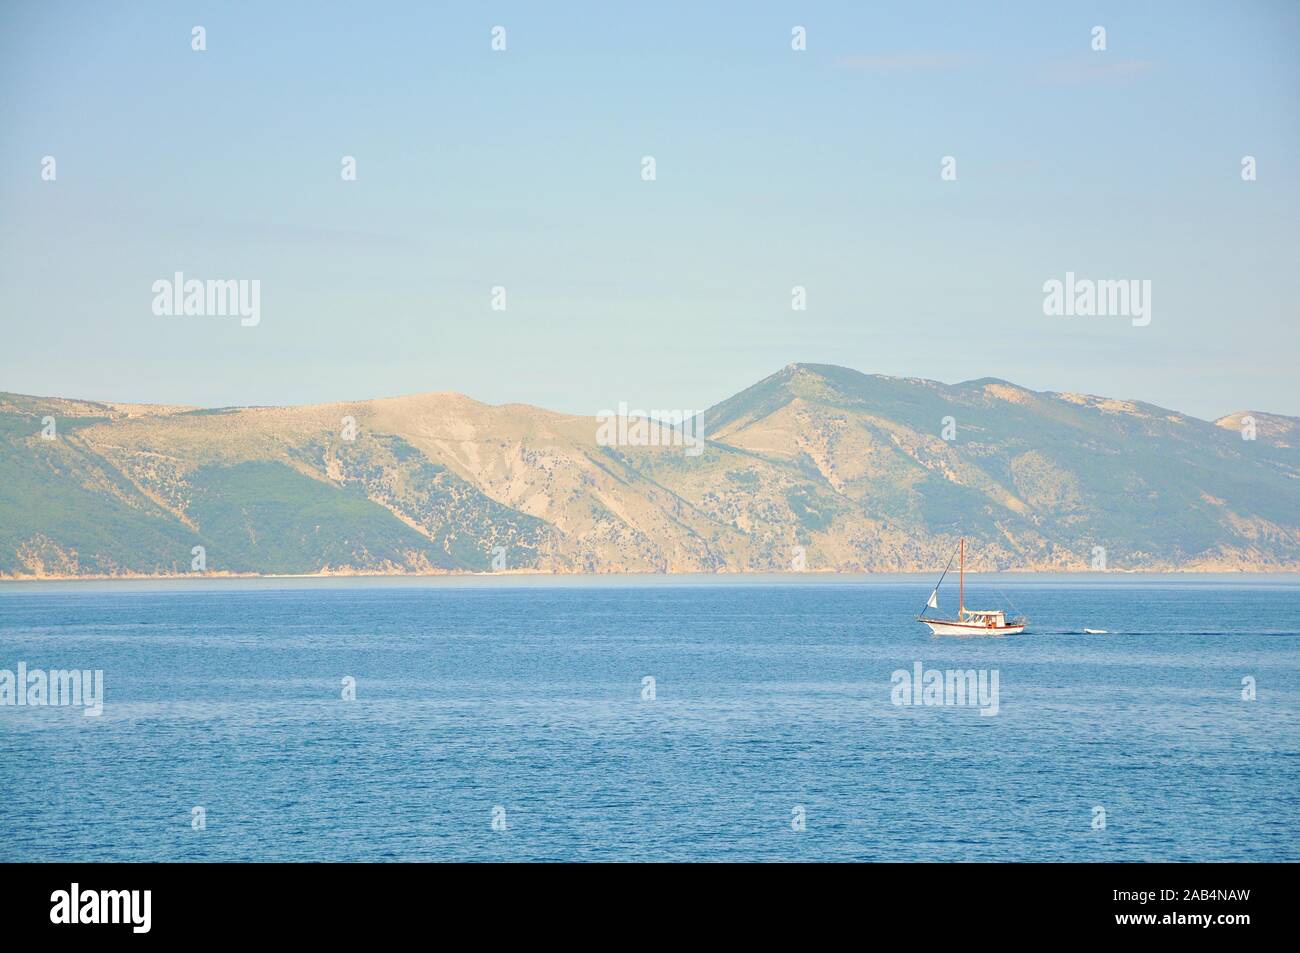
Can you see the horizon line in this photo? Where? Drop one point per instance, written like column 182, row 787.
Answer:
column 794, row 365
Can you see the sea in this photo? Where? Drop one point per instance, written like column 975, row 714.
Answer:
column 652, row 719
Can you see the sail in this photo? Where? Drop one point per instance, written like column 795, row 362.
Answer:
column 934, row 599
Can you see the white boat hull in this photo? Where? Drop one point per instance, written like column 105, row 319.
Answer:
column 944, row 627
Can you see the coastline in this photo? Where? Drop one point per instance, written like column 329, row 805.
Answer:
column 537, row 580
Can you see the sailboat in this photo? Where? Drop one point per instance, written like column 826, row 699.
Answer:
column 968, row 621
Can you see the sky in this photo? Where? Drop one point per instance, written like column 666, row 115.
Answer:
column 522, row 169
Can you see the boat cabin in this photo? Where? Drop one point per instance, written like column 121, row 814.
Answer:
column 994, row 620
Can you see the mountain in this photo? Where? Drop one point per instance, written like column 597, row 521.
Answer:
column 816, row 465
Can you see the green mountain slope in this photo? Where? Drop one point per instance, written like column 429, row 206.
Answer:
column 815, row 467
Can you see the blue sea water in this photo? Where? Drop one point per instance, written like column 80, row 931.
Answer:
column 768, row 699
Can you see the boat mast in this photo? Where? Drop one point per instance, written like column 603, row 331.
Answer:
column 934, row 594
column 961, row 581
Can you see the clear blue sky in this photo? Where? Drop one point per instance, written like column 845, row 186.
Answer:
column 522, row 169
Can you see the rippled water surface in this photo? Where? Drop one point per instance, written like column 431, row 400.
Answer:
column 768, row 698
